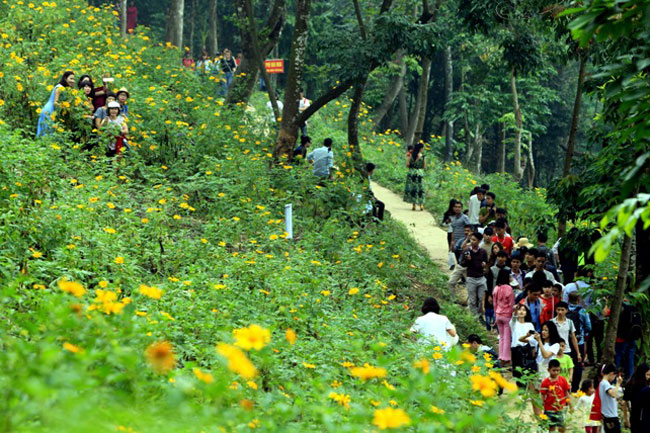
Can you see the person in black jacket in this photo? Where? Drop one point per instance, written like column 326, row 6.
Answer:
column 475, row 259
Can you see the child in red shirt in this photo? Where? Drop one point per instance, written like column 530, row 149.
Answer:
column 555, row 392
column 549, row 301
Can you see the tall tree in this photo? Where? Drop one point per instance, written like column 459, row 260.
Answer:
column 213, row 33
column 449, row 88
column 174, row 33
column 248, row 71
column 288, row 133
column 123, row 11
column 394, row 87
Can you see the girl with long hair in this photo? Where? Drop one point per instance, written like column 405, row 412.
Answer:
column 414, row 191
column 632, row 395
column 45, row 119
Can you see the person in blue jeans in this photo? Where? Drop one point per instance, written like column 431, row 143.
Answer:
column 228, row 67
column 626, row 340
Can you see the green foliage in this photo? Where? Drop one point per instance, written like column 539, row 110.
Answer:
column 195, row 210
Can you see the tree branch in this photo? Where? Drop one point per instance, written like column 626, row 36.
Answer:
column 319, row 103
column 357, row 12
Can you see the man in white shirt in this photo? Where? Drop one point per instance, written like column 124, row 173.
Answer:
column 474, row 206
column 434, row 328
column 303, row 105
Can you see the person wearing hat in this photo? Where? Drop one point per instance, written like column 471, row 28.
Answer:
column 523, row 242
column 115, row 125
column 122, row 96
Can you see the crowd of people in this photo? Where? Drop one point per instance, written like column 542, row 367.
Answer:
column 224, row 66
column 549, row 323
column 106, row 112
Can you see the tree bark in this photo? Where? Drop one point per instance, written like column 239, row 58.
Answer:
column 190, row 44
column 213, row 33
column 288, row 132
column 478, row 147
column 570, row 148
column 174, row 33
column 531, row 163
column 353, row 128
column 248, row 71
column 424, row 96
column 517, row 171
column 396, row 84
column 449, row 88
column 501, row 152
column 252, row 25
column 417, row 118
column 609, row 351
column 403, row 112
column 123, row 16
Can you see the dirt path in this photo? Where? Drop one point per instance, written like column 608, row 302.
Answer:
column 421, row 225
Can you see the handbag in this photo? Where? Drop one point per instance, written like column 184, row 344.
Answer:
column 528, row 356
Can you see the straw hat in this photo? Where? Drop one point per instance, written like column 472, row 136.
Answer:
column 123, row 90
column 523, row 242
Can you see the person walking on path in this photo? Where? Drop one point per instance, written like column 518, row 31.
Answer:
column 414, row 191
column 45, row 119
column 474, row 259
column 503, row 298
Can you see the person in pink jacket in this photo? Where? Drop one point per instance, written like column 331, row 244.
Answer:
column 503, row 298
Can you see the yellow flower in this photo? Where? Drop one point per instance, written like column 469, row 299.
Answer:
column 72, row 287
column 253, row 337
column 273, row 237
column 368, row 372
column 342, row 399
column 119, row 260
column 307, row 365
column 237, row 361
column 203, row 377
column 484, row 384
column 478, row 403
column 325, row 292
column 290, row 335
column 109, row 230
column 502, row 382
column 150, row 292
column 390, row 418
column 437, row 410
column 423, row 365
column 103, row 284
column 543, row 417
column 72, row 348
column 437, row 355
column 353, row 291
column 37, row 254
column 160, row 356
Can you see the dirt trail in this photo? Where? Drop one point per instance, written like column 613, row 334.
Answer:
column 421, row 225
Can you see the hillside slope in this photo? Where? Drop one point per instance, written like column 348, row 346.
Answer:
column 124, row 282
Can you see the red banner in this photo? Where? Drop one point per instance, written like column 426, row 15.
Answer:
column 274, row 66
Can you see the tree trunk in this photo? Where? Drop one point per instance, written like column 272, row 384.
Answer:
column 396, row 84
column 403, row 112
column 259, row 61
column 531, row 163
column 449, row 88
column 478, row 147
column 123, row 21
column 288, row 132
column 190, row 43
column 248, row 71
column 469, row 148
column 353, row 128
column 570, row 148
column 174, row 33
column 517, row 169
column 213, row 33
column 609, row 351
column 501, row 152
column 417, row 118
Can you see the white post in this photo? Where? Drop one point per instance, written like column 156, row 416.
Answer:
column 288, row 220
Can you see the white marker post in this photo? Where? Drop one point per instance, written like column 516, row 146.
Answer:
column 288, row 220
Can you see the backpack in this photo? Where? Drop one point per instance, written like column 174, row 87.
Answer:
column 634, row 324
column 574, row 315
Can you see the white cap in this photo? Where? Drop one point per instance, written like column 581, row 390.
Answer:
column 114, row 104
